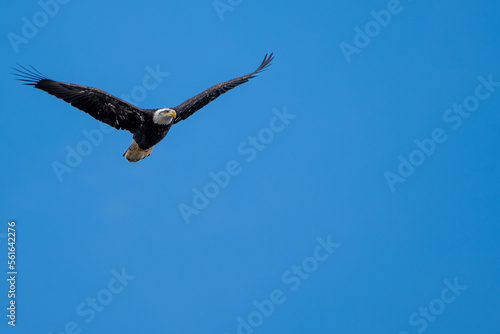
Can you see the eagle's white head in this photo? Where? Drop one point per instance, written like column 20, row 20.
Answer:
column 164, row 116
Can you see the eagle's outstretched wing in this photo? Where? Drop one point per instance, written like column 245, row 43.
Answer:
column 95, row 102
column 190, row 106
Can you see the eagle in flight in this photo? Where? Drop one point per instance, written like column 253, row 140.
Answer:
column 149, row 126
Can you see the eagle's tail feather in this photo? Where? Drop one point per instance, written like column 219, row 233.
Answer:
column 134, row 153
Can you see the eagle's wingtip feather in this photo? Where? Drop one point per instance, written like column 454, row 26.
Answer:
column 268, row 58
column 28, row 76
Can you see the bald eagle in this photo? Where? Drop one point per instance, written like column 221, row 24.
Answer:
column 149, row 126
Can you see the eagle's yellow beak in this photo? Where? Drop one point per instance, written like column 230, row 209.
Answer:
column 172, row 113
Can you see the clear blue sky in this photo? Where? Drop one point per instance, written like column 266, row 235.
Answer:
column 351, row 188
